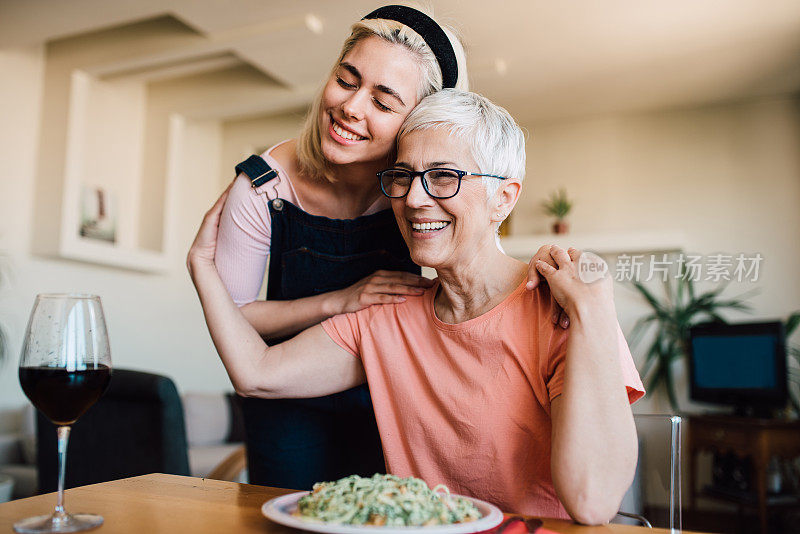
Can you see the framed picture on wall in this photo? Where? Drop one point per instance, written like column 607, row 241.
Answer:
column 98, row 216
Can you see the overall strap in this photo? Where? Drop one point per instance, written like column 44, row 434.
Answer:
column 257, row 170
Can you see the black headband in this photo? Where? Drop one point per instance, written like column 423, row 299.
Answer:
column 431, row 33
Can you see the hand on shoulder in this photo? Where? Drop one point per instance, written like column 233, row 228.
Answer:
column 381, row 287
column 559, row 316
column 579, row 282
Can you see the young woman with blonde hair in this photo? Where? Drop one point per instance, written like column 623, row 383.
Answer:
column 313, row 206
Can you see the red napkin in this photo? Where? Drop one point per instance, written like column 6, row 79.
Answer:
column 514, row 525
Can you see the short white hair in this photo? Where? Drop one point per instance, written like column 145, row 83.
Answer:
column 496, row 142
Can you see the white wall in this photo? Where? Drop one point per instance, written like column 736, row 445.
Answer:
column 245, row 136
column 155, row 322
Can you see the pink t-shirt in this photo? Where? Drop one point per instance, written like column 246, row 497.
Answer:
column 468, row 404
column 245, row 230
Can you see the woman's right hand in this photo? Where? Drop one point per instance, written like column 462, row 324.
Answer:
column 204, row 246
column 381, row 287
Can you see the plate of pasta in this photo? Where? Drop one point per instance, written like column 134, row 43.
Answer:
column 383, row 503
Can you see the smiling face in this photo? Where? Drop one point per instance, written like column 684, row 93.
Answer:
column 443, row 233
column 365, row 101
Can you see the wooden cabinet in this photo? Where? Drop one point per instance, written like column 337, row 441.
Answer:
column 757, row 439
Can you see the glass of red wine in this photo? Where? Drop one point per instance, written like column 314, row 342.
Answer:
column 64, row 368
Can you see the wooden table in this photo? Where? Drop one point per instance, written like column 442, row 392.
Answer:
column 157, row 503
column 759, row 439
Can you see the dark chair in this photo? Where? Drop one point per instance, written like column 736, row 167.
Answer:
column 136, row 428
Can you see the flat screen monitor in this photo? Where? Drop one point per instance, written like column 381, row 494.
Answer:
column 742, row 365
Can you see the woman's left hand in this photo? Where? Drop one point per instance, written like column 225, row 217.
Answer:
column 574, row 290
column 204, row 246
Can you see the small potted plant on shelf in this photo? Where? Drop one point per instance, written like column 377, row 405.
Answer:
column 558, row 206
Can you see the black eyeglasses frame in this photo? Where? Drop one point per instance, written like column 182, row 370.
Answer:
column 422, row 174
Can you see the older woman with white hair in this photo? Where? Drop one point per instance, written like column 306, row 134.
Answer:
column 473, row 385
column 310, row 205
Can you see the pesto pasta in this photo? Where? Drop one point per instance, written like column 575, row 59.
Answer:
column 384, row 500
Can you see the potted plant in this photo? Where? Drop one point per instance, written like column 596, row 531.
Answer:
column 673, row 316
column 558, row 206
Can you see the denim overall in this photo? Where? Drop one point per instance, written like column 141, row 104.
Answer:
column 293, row 443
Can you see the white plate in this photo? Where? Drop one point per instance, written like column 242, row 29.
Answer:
column 280, row 510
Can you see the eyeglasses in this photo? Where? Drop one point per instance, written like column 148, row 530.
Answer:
column 438, row 183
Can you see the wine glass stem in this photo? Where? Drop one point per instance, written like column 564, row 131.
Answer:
column 63, row 438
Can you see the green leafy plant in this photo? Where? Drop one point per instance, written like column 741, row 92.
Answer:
column 672, row 316
column 558, row 205
column 793, row 352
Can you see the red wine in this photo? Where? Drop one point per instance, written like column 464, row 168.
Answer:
column 64, row 395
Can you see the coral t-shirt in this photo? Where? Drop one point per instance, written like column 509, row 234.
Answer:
column 468, row 404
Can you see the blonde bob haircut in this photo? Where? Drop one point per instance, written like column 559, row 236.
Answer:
column 309, row 148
